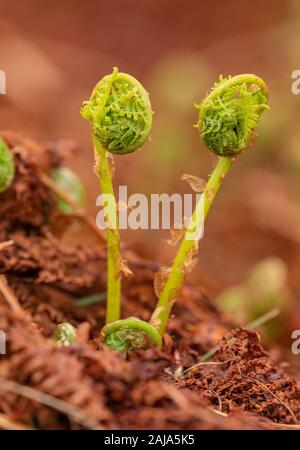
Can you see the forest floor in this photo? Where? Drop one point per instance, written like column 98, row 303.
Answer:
column 45, row 386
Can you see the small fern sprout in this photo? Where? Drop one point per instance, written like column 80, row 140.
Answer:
column 7, row 167
column 71, row 184
column 121, row 117
column 230, row 112
column 120, row 112
column 65, row 334
column 228, row 116
column 130, row 334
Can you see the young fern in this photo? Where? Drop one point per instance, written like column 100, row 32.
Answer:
column 65, row 334
column 7, row 167
column 121, row 116
column 70, row 183
column 130, row 334
column 228, row 116
column 120, row 112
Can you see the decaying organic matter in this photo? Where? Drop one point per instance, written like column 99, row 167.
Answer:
column 85, row 385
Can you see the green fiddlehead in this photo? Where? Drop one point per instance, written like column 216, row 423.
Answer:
column 121, row 116
column 228, row 116
column 65, row 334
column 7, row 167
column 70, row 183
column 120, row 112
column 130, row 334
column 230, row 112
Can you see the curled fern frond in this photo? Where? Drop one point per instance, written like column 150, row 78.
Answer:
column 130, row 334
column 70, row 183
column 229, row 114
column 120, row 112
column 7, row 167
column 65, row 334
column 126, row 340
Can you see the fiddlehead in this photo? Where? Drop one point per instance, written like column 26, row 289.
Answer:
column 228, row 116
column 130, row 334
column 7, row 166
column 120, row 111
column 121, row 116
column 230, row 112
column 70, row 183
column 65, row 334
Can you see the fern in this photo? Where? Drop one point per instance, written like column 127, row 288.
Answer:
column 229, row 115
column 121, row 113
column 7, row 167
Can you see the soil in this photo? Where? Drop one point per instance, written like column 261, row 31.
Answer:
column 243, row 385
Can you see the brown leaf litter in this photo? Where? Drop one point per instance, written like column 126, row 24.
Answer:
column 88, row 386
column 241, row 375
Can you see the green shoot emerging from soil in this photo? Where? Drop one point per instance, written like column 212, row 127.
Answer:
column 228, row 116
column 121, row 116
column 7, row 167
column 65, row 334
column 130, row 334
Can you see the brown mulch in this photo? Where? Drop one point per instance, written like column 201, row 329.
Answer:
column 242, row 375
column 91, row 386
column 108, row 389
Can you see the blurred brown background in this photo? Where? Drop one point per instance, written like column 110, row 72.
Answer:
column 53, row 53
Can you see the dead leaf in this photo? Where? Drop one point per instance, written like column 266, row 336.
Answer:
column 196, row 183
column 160, row 279
column 191, row 260
column 155, row 318
column 125, row 270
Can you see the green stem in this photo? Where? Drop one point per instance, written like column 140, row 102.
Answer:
column 113, row 309
column 135, row 324
column 188, row 246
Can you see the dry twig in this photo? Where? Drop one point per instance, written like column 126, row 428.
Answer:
column 9, row 296
column 72, row 411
